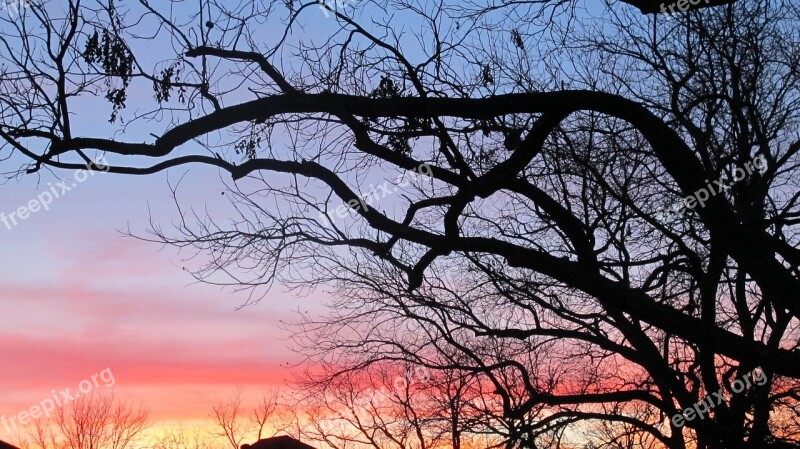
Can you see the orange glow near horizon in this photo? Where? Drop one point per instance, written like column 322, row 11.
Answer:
column 172, row 347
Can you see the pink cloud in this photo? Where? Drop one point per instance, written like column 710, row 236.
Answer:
column 125, row 307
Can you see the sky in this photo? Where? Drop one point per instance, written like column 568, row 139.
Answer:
column 78, row 297
column 80, row 300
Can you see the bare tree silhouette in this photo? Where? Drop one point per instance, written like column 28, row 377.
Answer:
column 92, row 421
column 533, row 259
column 181, row 437
column 235, row 423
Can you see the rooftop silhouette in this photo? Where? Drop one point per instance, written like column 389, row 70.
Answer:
column 281, row 442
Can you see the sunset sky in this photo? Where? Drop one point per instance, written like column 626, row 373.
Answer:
column 497, row 262
column 79, row 298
